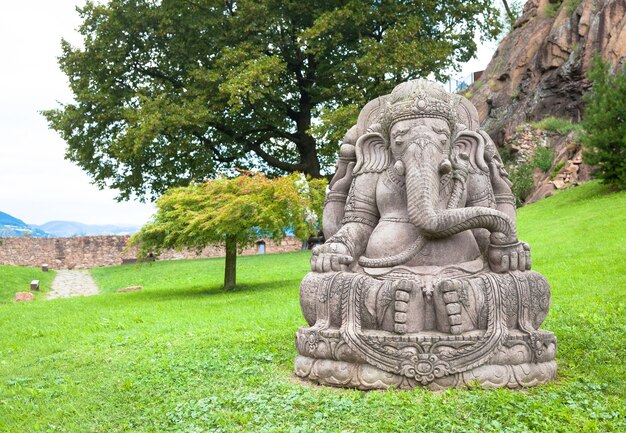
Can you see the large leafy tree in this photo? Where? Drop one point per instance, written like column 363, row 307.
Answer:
column 234, row 212
column 173, row 90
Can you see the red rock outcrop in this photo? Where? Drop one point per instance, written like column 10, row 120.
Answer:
column 540, row 68
column 567, row 169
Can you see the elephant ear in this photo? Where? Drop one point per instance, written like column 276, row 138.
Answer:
column 369, row 116
column 493, row 159
column 470, row 146
column 372, row 155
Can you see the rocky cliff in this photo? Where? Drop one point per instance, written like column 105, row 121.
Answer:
column 540, row 68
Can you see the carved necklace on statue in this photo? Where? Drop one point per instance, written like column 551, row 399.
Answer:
column 393, row 179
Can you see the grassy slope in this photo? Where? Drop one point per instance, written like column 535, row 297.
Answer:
column 578, row 240
column 17, row 279
column 183, row 356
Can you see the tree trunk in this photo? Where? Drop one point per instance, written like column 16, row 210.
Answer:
column 307, row 146
column 509, row 12
column 230, row 269
column 308, row 157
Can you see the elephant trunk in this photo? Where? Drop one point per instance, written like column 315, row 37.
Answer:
column 422, row 183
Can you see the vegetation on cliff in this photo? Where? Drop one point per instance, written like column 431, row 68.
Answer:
column 541, row 68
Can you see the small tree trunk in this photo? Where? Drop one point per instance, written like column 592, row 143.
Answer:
column 509, row 12
column 230, row 271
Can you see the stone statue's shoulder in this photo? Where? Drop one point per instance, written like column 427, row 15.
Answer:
column 372, row 155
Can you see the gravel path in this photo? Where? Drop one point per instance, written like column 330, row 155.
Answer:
column 68, row 283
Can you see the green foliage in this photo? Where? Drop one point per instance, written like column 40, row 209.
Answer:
column 512, row 11
column 166, row 92
column 235, row 211
column 17, row 279
column 182, row 356
column 605, row 124
column 515, row 94
column 558, row 125
column 246, row 208
column 572, row 5
column 521, row 174
column 551, row 10
column 543, row 158
column 557, row 168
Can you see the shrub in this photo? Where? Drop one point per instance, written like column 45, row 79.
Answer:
column 558, row 125
column 521, row 176
column 513, row 10
column 604, row 136
column 543, row 158
column 557, row 168
column 572, row 5
column 515, row 94
column 552, row 9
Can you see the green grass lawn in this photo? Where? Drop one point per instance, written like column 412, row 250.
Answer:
column 15, row 279
column 182, row 356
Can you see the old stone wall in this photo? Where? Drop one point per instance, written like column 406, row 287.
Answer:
column 92, row 251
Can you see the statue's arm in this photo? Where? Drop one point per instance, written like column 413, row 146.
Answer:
column 510, row 257
column 360, row 217
column 338, row 191
column 504, row 198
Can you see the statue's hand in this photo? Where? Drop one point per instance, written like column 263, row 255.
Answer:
column 511, row 257
column 330, row 257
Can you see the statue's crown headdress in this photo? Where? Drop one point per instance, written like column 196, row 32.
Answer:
column 418, row 98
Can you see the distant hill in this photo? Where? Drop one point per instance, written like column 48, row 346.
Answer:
column 15, row 227
column 8, row 220
column 62, row 229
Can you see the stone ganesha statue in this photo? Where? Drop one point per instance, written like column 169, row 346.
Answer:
column 422, row 279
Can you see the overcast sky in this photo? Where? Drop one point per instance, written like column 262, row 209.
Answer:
column 36, row 183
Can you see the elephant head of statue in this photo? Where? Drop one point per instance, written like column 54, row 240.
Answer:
column 432, row 138
column 425, row 133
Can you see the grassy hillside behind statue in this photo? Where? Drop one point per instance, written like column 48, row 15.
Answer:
column 182, row 355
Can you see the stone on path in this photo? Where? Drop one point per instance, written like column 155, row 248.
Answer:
column 129, row 289
column 24, row 297
column 69, row 283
